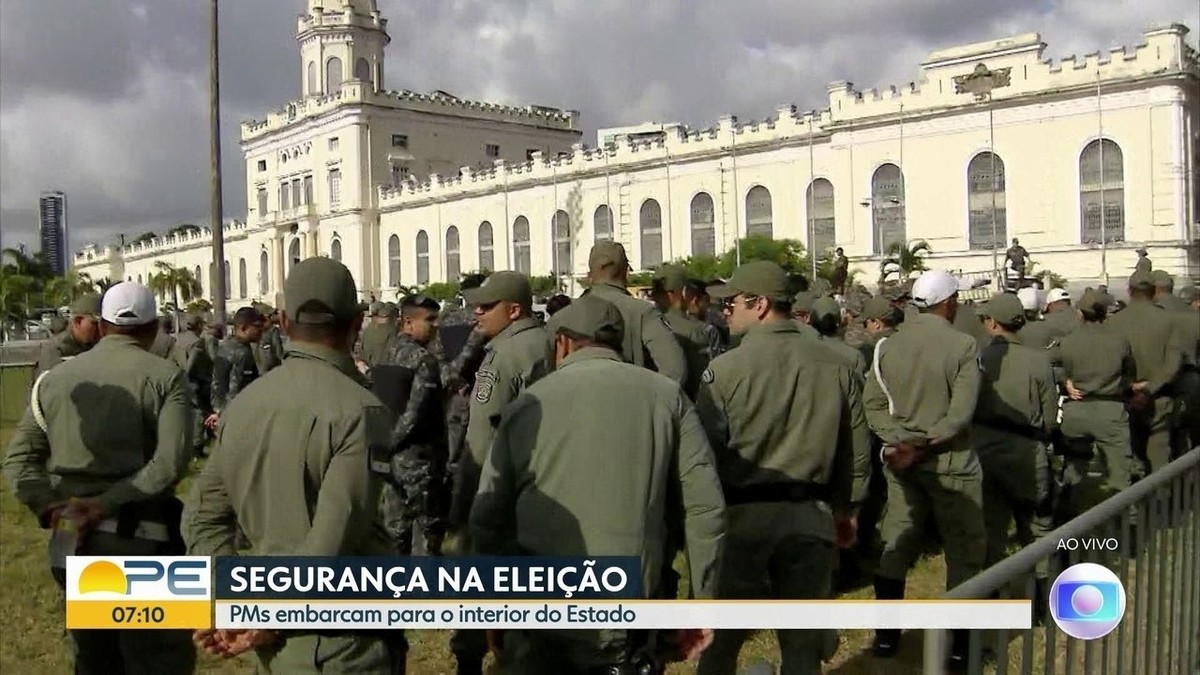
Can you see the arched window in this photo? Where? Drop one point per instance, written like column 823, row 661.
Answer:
column 293, row 253
column 650, row 219
column 333, row 75
column 602, row 223
column 758, row 212
column 314, row 87
column 819, row 200
column 985, row 202
column 394, row 261
column 563, row 253
column 362, row 70
column 521, row 244
column 200, row 279
column 422, row 257
column 228, row 281
column 887, row 207
column 264, row 274
column 1102, row 193
column 704, row 238
column 335, row 250
column 453, row 259
column 139, row 278
column 242, row 289
column 487, row 255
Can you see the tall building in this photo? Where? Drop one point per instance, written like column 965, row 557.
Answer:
column 52, row 228
column 1084, row 160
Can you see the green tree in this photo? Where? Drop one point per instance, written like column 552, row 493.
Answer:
column 104, row 284
column 59, row 291
column 1047, row 278
column 15, row 292
column 903, row 258
column 143, row 237
column 542, row 286
column 441, row 290
column 183, row 228
column 198, row 306
column 176, row 282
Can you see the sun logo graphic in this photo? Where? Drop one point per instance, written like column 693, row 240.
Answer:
column 138, row 592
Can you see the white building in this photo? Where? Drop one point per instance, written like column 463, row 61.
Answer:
column 1093, row 157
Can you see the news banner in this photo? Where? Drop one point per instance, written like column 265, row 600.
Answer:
column 281, row 593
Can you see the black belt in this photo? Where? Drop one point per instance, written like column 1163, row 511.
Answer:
column 1032, row 433
column 1115, row 398
column 795, row 492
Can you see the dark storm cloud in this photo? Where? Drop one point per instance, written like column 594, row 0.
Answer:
column 107, row 99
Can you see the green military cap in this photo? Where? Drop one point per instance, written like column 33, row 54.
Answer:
column 607, row 254
column 826, row 308
column 899, row 291
column 762, row 278
column 1189, row 293
column 263, row 308
column 1004, row 308
column 193, row 320
column 670, row 278
column 374, row 308
column 878, row 307
column 87, row 304
column 804, row 301
column 1142, row 250
column 58, row 324
column 1141, row 280
column 389, row 310
column 501, row 286
column 320, row 290
column 593, row 318
column 1093, row 300
column 1162, row 279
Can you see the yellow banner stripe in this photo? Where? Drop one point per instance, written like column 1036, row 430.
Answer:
column 139, row 614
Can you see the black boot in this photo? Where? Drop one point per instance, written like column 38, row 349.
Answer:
column 887, row 640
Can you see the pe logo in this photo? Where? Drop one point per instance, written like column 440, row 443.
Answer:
column 1087, row 601
column 138, row 577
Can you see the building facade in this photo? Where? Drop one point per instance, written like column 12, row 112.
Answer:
column 52, row 230
column 1084, row 160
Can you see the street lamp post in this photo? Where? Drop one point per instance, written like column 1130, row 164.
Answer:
column 214, row 111
column 981, row 82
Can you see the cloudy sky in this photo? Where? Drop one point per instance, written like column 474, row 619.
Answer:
column 107, row 99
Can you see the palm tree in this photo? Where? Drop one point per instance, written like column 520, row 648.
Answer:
column 62, row 290
column 903, row 258
column 105, row 284
column 14, row 296
column 177, row 282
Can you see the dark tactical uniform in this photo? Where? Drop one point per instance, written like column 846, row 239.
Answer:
column 412, row 495
column 458, row 378
column 234, row 369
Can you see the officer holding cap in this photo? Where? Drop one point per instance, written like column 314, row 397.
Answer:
column 1015, row 418
column 920, row 400
column 537, row 496
column 783, row 414
column 104, row 441
column 648, row 338
column 301, row 474
column 670, row 282
column 82, row 332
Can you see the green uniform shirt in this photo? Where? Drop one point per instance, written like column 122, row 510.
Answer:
column 164, row 344
column 1097, row 360
column 783, row 408
column 693, row 340
column 1017, row 391
column 118, row 427
column 375, row 339
column 851, row 357
column 1156, row 344
column 1041, row 334
column 1188, row 321
column 931, row 371
column 584, row 463
column 290, row 466
column 61, row 347
column 648, row 339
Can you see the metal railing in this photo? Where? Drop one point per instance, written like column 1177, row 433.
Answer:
column 1156, row 523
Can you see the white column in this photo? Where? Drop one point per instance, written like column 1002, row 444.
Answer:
column 310, row 244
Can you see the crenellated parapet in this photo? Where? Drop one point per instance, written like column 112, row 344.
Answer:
column 356, row 93
column 1022, row 70
column 92, row 253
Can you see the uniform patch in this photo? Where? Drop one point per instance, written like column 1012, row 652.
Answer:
column 485, row 382
column 707, row 376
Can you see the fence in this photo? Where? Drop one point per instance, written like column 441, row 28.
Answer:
column 14, row 386
column 1156, row 523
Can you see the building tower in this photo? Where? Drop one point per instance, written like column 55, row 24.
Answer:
column 340, row 41
column 52, row 228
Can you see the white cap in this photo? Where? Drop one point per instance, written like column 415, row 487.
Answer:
column 933, row 287
column 129, row 304
column 1055, row 295
column 1029, row 299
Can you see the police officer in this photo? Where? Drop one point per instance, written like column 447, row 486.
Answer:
column 827, row 320
column 418, row 452
column 784, row 417
column 1158, row 353
column 1187, row 384
column 802, row 308
column 104, row 441
column 58, row 324
column 377, row 335
column 669, row 287
column 234, row 367
column 318, row 492
column 648, row 338
column 1015, row 418
column 1143, row 263
column 81, row 334
column 1098, row 372
column 578, row 433
column 268, row 351
column 164, row 340
column 516, row 356
column 920, row 402
column 699, row 307
column 189, row 354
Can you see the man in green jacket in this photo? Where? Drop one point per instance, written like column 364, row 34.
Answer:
column 104, row 441
column 827, row 320
column 1187, row 384
column 82, row 332
column 295, row 473
column 784, row 416
column 670, row 282
column 537, row 494
column 648, row 339
column 920, row 401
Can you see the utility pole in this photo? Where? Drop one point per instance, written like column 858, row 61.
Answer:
column 214, row 112
column 980, row 83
